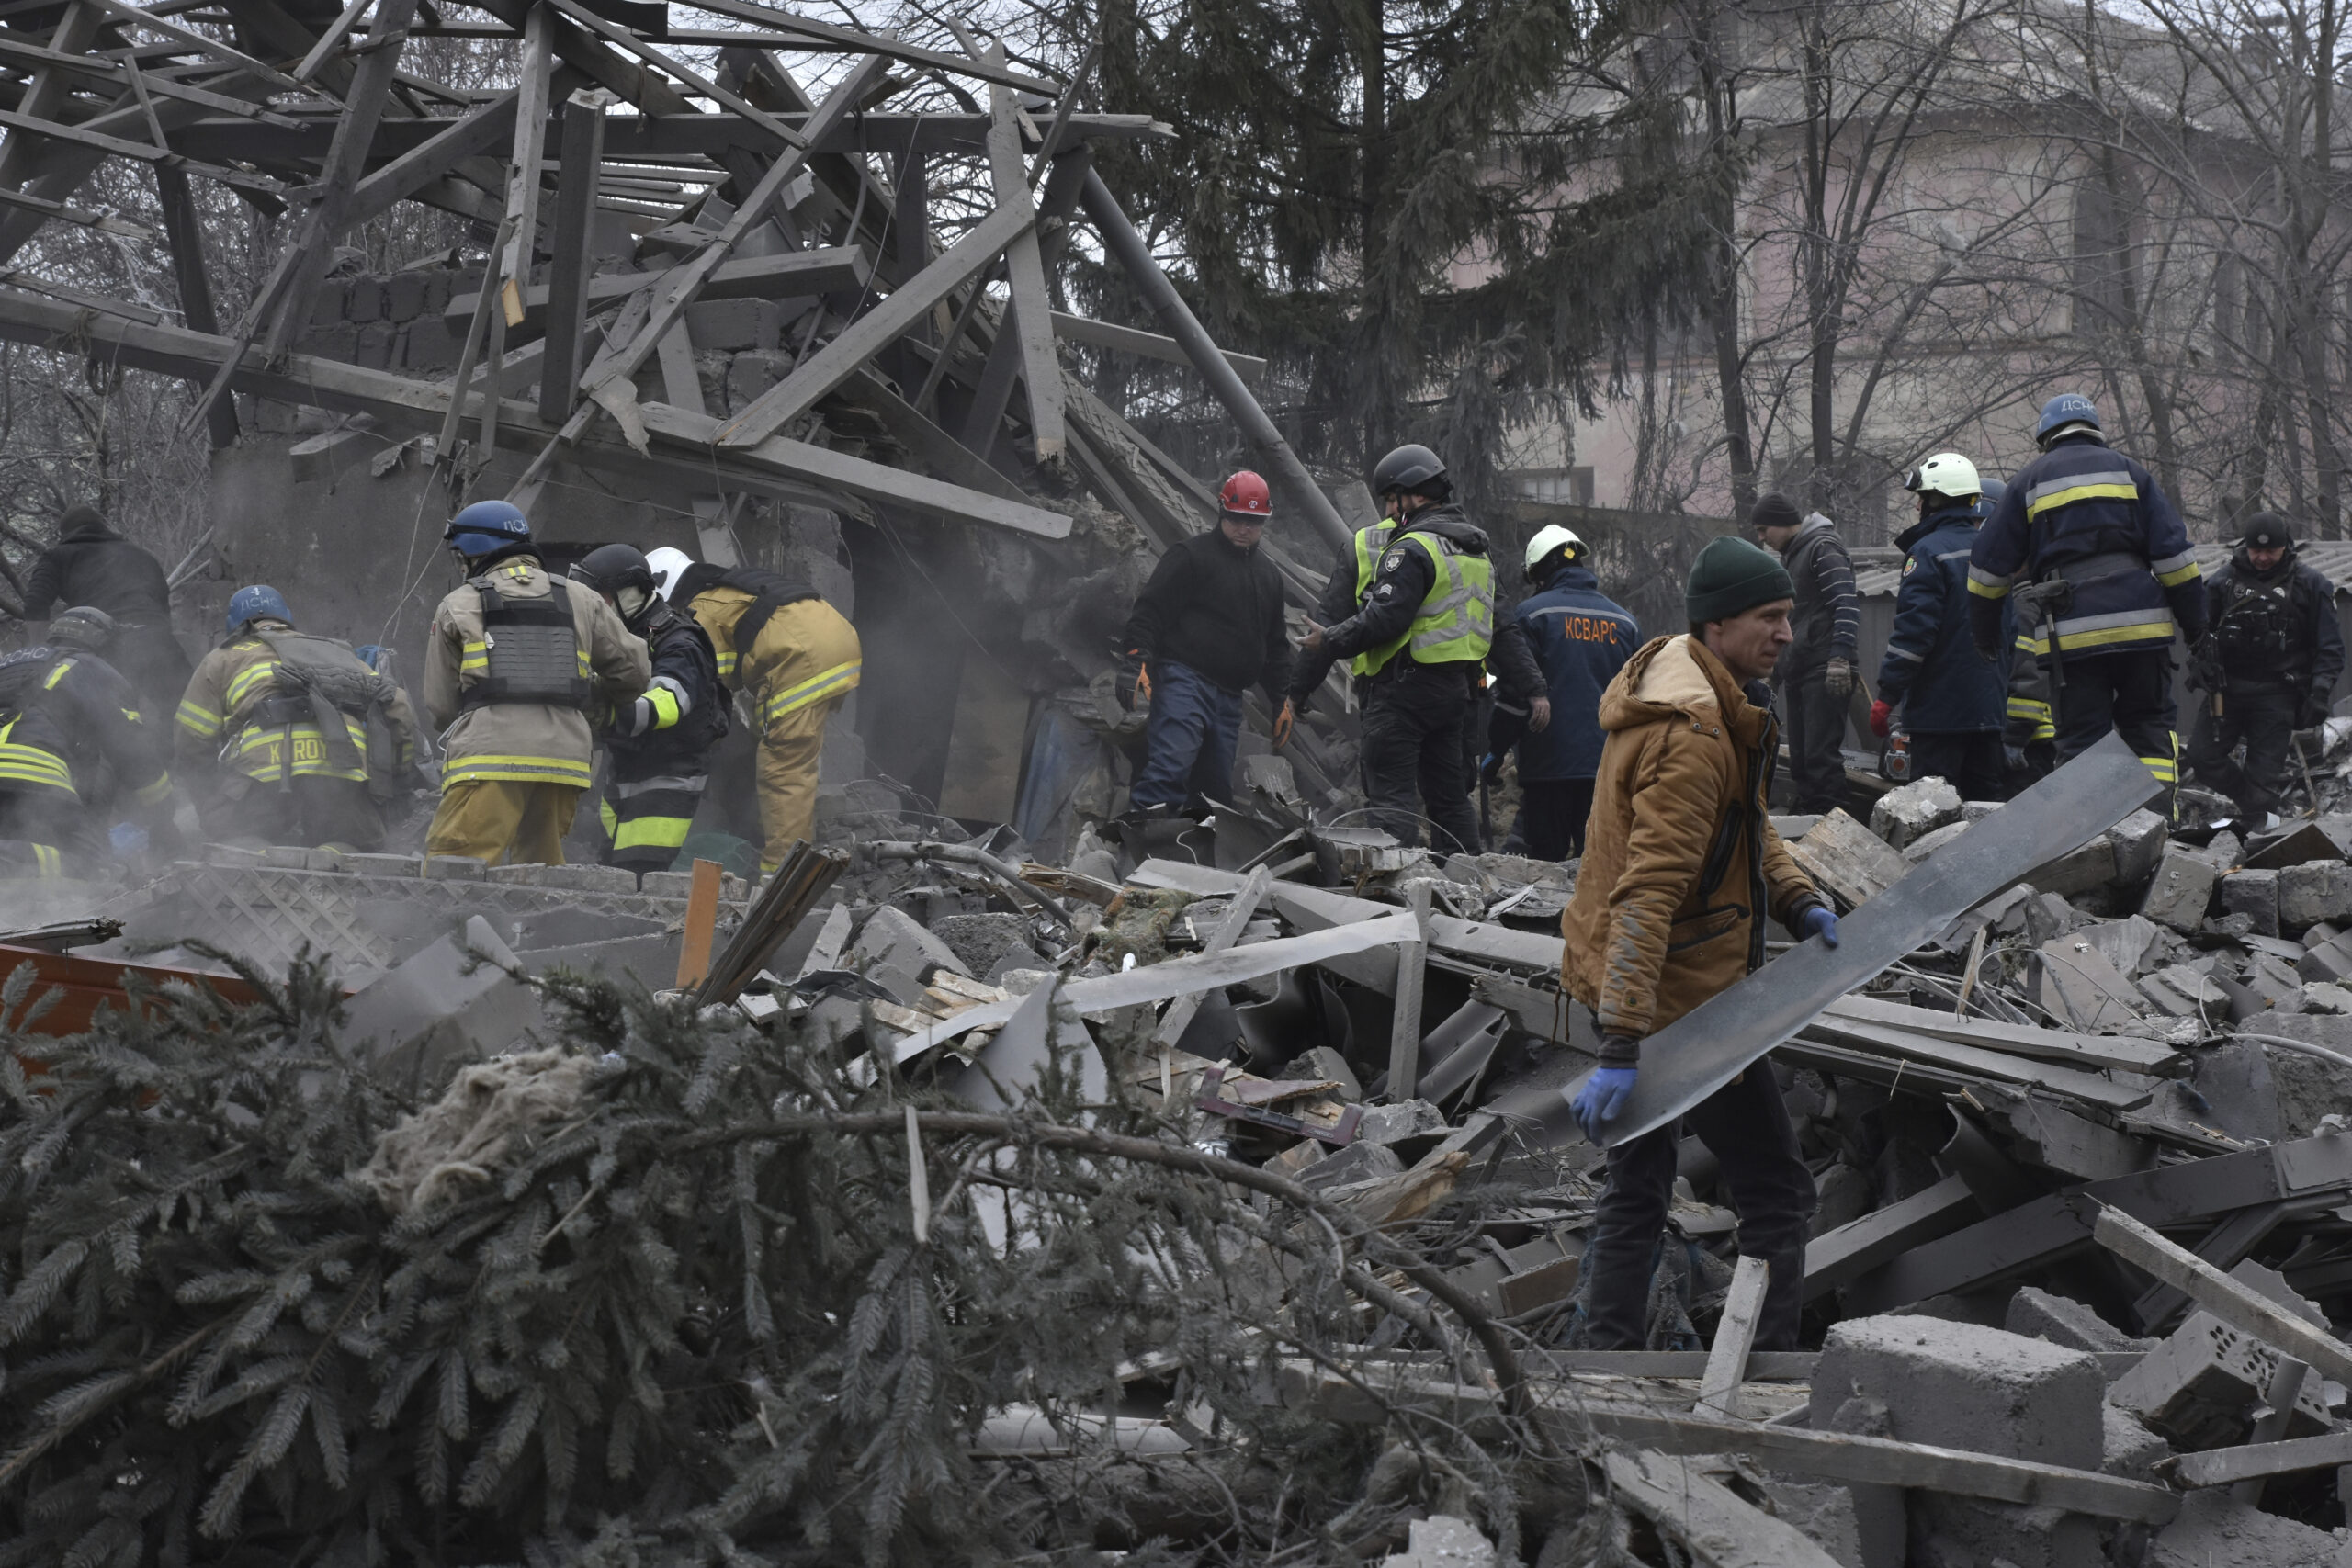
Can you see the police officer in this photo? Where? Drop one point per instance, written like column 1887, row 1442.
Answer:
column 2106, row 554
column 76, row 751
column 515, row 662
column 303, row 741
column 1579, row 638
column 2267, row 667
column 797, row 659
column 1954, row 703
column 659, row 746
column 1420, row 640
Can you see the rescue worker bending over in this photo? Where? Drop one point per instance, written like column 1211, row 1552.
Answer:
column 1579, row 638
column 1681, row 867
column 2107, row 555
column 1419, row 634
column 1206, row 628
column 657, row 748
column 97, row 569
column 1954, row 703
column 303, row 740
column 793, row 655
column 77, row 752
column 2268, row 666
column 515, row 663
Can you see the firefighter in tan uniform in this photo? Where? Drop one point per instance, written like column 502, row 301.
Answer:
column 270, row 695
column 794, row 656
column 516, row 665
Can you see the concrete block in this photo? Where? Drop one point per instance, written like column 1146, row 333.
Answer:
column 2325, row 997
column 2241, row 1096
column 373, row 349
column 2078, row 871
column 2312, row 892
column 2213, row 1531
column 1360, row 1161
column 1394, row 1123
column 753, row 374
column 335, row 340
column 2180, row 891
column 732, row 324
column 1824, row 1513
column 1921, row 848
column 1882, row 1516
column 2253, row 892
column 1442, row 1541
column 2139, row 839
column 1977, row 810
column 2329, row 960
column 1962, row 1386
column 410, row 866
column 2036, row 1314
column 2199, row 1388
column 286, row 857
column 444, row 1007
column 424, row 347
column 1914, row 810
column 364, row 301
column 454, row 868
column 2047, row 915
column 893, row 939
column 573, row 878
column 404, row 296
column 2132, row 1451
column 1970, row 1530
column 326, row 305
column 667, row 884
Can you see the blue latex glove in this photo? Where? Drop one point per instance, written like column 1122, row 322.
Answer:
column 1819, row 921
column 1603, row 1096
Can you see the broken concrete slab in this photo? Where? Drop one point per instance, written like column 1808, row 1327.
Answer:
column 1442, row 1541
column 2313, row 892
column 455, row 1002
column 1962, row 1386
column 2078, row 983
column 2213, row 1531
column 893, row 939
column 2035, row 1313
column 2182, row 889
column 1912, row 811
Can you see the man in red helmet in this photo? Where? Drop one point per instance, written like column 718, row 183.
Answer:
column 1205, row 628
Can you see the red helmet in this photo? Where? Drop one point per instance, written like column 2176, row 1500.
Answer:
column 1245, row 495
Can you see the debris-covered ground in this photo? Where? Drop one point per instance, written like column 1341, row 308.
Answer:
column 947, row 1205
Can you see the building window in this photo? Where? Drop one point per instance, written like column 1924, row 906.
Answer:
column 1554, row 487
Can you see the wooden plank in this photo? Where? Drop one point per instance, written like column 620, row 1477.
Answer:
column 874, row 331
column 2121, row 1091
column 1849, row 1251
column 681, row 382
column 1734, row 1337
column 822, row 271
column 1144, row 345
column 510, row 270
column 575, row 208
column 1029, row 318
column 938, row 453
column 2254, row 1462
column 75, row 30
column 331, row 40
column 2062, row 1047
column 614, row 34
column 702, row 925
column 859, row 41
column 1846, row 860
column 1763, row 1366
column 1707, row 1519
column 120, row 147
column 187, row 239
column 2241, row 1306
column 469, row 135
column 1405, row 1026
column 1180, row 1014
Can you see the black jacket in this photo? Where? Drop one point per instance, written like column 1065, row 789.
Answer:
column 1352, row 626
column 75, row 706
column 91, row 564
column 686, row 664
column 1827, row 617
column 2276, row 631
column 1217, row 609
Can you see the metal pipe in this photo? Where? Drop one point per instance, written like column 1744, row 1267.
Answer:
column 965, row 855
column 1178, row 321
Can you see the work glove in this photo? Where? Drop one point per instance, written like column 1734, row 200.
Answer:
column 1603, row 1095
column 1819, row 920
column 1539, row 716
column 2015, row 757
column 1837, row 680
column 2315, row 712
column 1882, row 718
column 1284, row 722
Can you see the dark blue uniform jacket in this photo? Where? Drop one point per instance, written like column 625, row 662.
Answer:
column 1931, row 669
column 1580, row 638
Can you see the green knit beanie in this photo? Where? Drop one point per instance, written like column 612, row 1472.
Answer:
column 1730, row 576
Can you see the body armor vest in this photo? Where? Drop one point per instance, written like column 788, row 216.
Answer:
column 534, row 652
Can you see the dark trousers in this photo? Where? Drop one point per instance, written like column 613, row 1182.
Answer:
column 1554, row 813
column 2265, row 722
column 646, row 821
column 1971, row 760
column 1746, row 1128
column 2130, row 694
column 1412, row 748
column 315, row 812
column 1189, row 744
column 1814, row 723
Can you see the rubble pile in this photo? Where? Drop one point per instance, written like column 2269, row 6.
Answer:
column 2084, row 1217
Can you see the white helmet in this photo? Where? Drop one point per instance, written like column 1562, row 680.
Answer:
column 668, row 566
column 1552, row 538
column 1947, row 474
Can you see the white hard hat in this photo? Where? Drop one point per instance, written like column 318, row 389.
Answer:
column 1551, row 537
column 669, row 565
column 1946, row 473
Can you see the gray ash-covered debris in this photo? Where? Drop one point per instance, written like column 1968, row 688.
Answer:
column 2154, row 1026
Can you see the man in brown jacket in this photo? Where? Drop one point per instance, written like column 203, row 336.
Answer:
column 1681, row 868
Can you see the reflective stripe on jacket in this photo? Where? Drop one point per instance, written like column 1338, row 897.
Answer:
column 221, row 717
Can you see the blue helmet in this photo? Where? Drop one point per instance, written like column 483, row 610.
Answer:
column 2066, row 408
column 488, row 526
column 249, row 604
column 1988, row 497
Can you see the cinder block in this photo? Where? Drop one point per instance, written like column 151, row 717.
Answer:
column 454, row 868
column 2181, row 890
column 2253, row 892
column 667, row 884
column 404, row 296
column 336, row 339
column 2199, row 1386
column 326, row 305
column 750, row 375
column 1962, row 1386
column 365, row 301
column 374, row 350
column 2139, row 839
column 2312, row 892
column 424, row 347
column 2038, row 1314
column 732, row 324
column 411, row 866
column 436, row 293
column 1915, row 811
